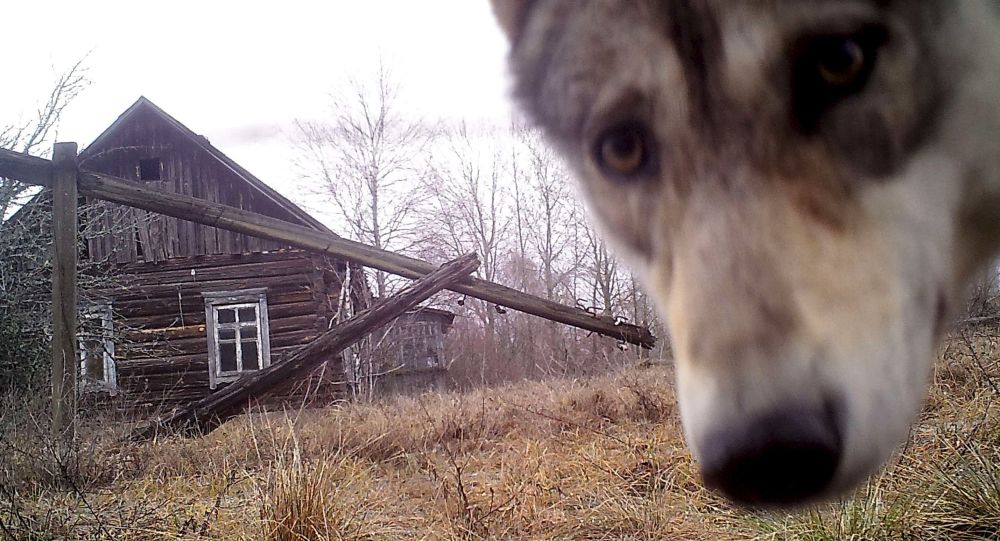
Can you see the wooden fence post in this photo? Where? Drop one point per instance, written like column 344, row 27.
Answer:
column 64, row 295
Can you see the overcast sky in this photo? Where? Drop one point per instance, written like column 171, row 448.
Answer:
column 241, row 72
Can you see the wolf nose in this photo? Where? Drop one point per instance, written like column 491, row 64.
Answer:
column 779, row 458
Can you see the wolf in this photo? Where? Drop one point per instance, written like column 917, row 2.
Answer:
column 804, row 186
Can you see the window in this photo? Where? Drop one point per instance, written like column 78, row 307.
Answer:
column 237, row 330
column 97, row 349
column 419, row 345
column 150, row 169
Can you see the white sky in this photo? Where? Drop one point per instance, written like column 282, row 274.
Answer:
column 240, row 72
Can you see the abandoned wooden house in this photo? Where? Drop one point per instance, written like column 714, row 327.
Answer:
column 409, row 354
column 193, row 307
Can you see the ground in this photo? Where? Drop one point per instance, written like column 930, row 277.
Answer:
column 599, row 458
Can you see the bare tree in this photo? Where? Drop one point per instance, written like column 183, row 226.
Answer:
column 555, row 208
column 367, row 160
column 469, row 211
column 468, row 203
column 25, row 284
column 34, row 135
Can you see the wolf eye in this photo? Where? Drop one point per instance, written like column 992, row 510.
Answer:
column 830, row 68
column 624, row 151
column 840, row 63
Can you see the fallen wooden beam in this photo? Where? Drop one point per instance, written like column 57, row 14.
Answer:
column 208, row 413
column 137, row 195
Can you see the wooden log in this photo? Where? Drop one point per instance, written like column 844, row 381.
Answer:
column 199, row 345
column 176, row 333
column 27, row 169
column 187, row 263
column 188, row 208
column 169, row 364
column 155, row 306
column 197, row 286
column 209, row 413
column 278, row 308
column 267, row 269
column 64, row 294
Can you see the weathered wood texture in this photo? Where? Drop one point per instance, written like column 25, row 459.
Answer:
column 64, row 294
column 408, row 353
column 214, row 410
column 184, row 164
column 135, row 195
column 28, row 169
column 162, row 340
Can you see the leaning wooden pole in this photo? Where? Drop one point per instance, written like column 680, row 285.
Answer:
column 35, row 171
column 210, row 412
column 64, row 295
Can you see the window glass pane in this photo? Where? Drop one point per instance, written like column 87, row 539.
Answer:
column 248, row 315
column 94, row 352
column 250, row 355
column 225, row 315
column 227, row 357
column 248, row 332
column 227, row 334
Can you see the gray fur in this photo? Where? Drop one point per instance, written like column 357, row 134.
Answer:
column 797, row 246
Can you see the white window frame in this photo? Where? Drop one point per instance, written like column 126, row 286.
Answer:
column 235, row 300
column 99, row 310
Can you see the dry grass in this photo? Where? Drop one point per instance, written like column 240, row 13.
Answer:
column 600, row 458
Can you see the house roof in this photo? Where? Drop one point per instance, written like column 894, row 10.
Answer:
column 144, row 104
column 445, row 314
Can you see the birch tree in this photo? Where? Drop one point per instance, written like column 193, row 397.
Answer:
column 368, row 160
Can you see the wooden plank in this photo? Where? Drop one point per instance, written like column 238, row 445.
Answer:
column 267, row 268
column 162, row 306
column 64, row 294
column 95, row 242
column 188, row 208
column 199, row 345
column 163, row 365
column 128, row 228
column 197, row 379
column 183, row 363
column 211, row 261
column 276, row 309
column 169, row 335
column 198, row 286
column 207, row 414
column 140, row 316
column 145, row 227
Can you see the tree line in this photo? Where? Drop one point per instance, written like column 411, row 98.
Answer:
column 436, row 190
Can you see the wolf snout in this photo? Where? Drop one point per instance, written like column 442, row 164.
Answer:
column 782, row 457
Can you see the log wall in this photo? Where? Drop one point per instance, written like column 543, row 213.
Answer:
column 161, row 348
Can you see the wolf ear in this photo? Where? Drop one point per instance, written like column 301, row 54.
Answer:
column 511, row 14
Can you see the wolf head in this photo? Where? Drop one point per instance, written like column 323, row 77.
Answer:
column 804, row 186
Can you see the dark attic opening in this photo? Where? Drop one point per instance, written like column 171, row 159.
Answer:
column 149, row 169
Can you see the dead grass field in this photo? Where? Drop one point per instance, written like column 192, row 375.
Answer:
column 600, row 458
